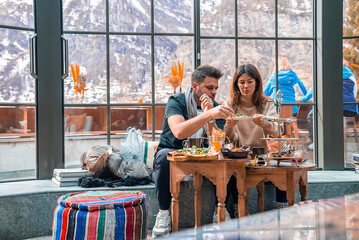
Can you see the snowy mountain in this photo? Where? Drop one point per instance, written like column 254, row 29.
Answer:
column 130, row 54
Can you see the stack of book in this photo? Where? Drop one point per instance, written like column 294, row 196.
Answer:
column 68, row 177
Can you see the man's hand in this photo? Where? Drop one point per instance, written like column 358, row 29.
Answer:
column 258, row 119
column 221, row 111
column 206, row 102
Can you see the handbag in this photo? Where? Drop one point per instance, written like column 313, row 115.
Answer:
column 131, row 147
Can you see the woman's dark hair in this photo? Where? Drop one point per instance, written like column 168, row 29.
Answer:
column 203, row 71
column 258, row 97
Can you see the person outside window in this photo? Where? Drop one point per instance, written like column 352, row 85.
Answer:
column 189, row 114
column 307, row 98
column 349, row 95
column 247, row 98
column 287, row 80
column 350, row 89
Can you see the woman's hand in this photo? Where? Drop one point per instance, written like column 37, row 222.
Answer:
column 258, row 119
column 230, row 122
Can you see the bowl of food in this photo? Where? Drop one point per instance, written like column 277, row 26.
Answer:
column 241, row 152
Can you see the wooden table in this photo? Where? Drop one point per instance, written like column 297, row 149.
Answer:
column 284, row 176
column 218, row 172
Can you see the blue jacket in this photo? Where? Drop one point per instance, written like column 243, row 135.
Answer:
column 308, row 96
column 286, row 81
column 349, row 90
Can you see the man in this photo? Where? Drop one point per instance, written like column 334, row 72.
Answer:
column 189, row 114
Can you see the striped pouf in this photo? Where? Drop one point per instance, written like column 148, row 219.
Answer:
column 101, row 215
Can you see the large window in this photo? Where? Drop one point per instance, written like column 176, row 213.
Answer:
column 261, row 33
column 350, row 80
column 125, row 51
column 17, row 91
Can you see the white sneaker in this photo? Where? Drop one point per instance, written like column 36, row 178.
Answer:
column 279, row 205
column 215, row 216
column 163, row 224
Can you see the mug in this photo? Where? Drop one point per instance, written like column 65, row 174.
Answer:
column 199, row 142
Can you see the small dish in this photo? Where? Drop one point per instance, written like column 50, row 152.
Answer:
column 238, row 116
column 234, row 154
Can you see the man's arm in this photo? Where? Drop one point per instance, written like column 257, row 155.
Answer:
column 182, row 129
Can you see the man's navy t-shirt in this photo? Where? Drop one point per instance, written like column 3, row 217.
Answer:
column 176, row 105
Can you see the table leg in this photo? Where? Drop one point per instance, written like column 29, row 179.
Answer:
column 175, row 190
column 303, row 186
column 175, row 207
column 197, row 181
column 242, row 196
column 221, row 191
column 260, row 189
column 290, row 188
column 246, row 212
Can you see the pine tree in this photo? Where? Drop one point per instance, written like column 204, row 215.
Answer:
column 351, row 46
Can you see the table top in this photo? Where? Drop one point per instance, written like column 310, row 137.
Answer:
column 204, row 160
column 282, row 166
column 297, row 222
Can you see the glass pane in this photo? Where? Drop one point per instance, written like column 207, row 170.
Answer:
column 16, row 84
column 130, row 64
column 351, row 54
column 17, row 13
column 260, row 53
column 217, row 18
column 350, row 18
column 351, row 141
column 295, row 70
column 138, row 117
column 168, row 50
column 295, row 18
column 130, row 16
column 84, row 127
column 89, row 51
column 159, row 117
column 173, row 16
column 18, row 144
column 85, row 15
column 225, row 62
column 256, row 18
column 125, row 117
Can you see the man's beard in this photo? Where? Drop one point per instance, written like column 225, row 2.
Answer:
column 199, row 94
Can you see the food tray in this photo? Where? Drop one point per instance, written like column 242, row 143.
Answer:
column 282, row 158
column 280, row 139
column 239, row 117
column 237, row 154
column 285, row 159
column 182, row 158
column 270, row 119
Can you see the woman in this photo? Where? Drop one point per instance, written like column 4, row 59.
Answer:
column 287, row 80
column 247, row 98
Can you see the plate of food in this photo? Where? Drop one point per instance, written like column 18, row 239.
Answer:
column 238, row 116
column 241, row 152
column 193, row 153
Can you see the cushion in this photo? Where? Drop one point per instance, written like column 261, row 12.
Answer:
column 101, row 215
column 76, row 122
column 149, row 152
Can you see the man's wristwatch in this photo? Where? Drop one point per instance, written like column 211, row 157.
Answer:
column 211, row 121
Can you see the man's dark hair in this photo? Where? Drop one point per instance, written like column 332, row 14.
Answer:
column 203, row 71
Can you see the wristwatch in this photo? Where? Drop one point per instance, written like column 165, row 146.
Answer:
column 211, row 121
